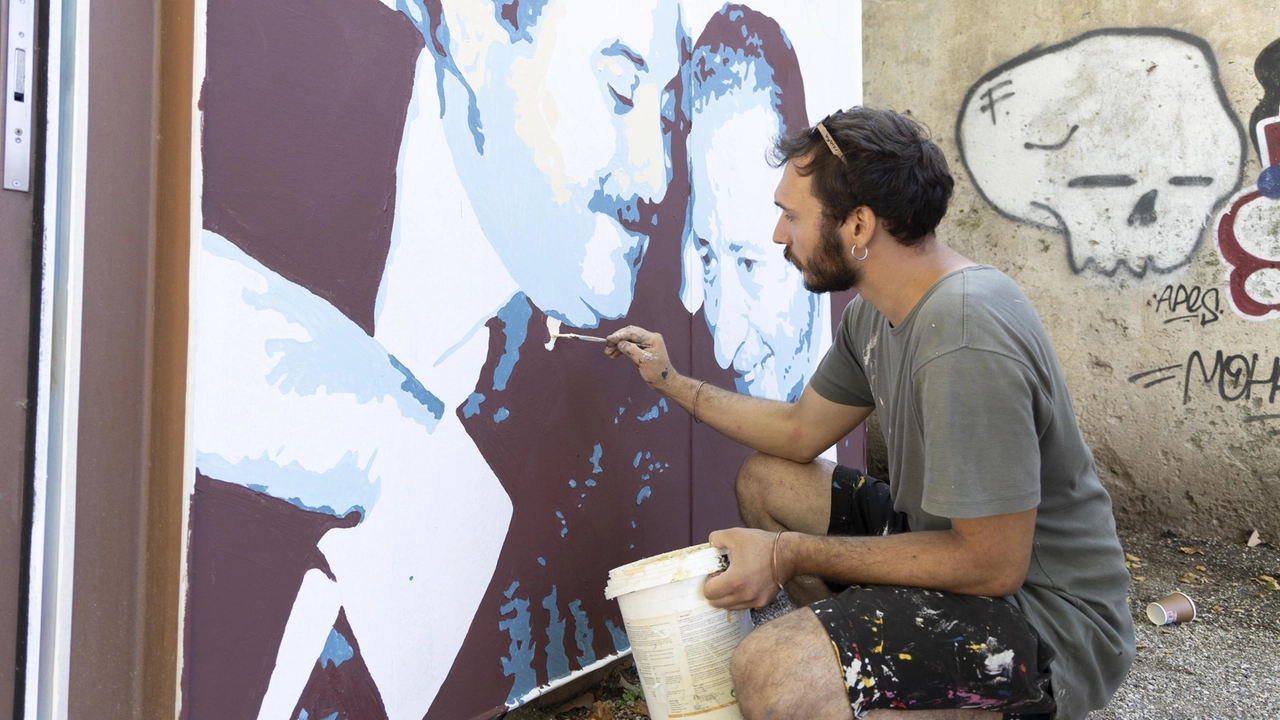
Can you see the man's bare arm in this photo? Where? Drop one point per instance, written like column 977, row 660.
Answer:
column 796, row 431
column 980, row 556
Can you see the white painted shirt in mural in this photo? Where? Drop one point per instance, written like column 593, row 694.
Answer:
column 296, row 401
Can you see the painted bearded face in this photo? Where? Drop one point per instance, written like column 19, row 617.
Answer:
column 759, row 314
column 567, row 149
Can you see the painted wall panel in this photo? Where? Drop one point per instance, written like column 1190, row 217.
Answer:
column 406, row 500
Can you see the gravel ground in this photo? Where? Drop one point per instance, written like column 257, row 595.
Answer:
column 1225, row 664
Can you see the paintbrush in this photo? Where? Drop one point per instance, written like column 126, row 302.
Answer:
column 576, row 336
column 553, row 329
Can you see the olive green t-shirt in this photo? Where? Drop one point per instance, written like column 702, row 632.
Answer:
column 978, row 421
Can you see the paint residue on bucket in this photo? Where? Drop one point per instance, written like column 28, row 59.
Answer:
column 682, row 646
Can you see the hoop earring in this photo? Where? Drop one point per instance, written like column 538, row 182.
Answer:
column 865, row 252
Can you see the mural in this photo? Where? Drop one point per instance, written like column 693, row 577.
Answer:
column 405, row 503
column 1249, row 228
column 1122, row 140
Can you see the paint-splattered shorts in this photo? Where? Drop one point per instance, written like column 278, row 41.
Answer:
column 913, row 649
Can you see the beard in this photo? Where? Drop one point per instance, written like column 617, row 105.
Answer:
column 830, row 269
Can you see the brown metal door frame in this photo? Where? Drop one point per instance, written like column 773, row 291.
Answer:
column 130, row 425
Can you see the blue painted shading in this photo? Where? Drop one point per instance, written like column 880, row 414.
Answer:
column 517, row 23
column 560, row 515
column 437, row 37
column 515, row 325
column 633, row 523
column 337, row 491
column 573, row 483
column 582, row 634
column 411, row 385
column 512, row 589
column 557, row 660
column 337, row 356
column 596, row 454
column 652, row 414
column 644, row 493
column 501, row 415
column 591, row 483
column 648, row 455
column 662, row 403
column 302, row 715
column 636, row 462
column 336, row 650
column 473, row 405
column 564, row 531
column 620, row 641
column 622, row 409
column 519, row 661
column 542, row 561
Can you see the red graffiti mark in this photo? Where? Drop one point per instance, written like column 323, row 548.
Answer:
column 1270, row 131
column 1243, row 263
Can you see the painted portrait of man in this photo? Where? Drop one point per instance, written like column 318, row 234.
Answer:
column 760, row 315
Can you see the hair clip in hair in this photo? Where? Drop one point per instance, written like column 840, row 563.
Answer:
column 831, row 142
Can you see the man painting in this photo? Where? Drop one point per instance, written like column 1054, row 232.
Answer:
column 986, row 574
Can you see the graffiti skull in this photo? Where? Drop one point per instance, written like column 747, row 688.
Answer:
column 1121, row 140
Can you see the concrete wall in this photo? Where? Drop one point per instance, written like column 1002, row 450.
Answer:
column 1112, row 227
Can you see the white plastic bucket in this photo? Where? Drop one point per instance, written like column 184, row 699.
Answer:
column 682, row 646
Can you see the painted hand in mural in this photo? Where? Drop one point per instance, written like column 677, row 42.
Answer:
column 749, row 582
column 1121, row 140
column 746, row 90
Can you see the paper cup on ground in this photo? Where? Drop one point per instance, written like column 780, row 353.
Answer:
column 1173, row 608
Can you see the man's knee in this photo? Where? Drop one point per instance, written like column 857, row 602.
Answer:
column 752, row 681
column 756, row 484
column 786, row 669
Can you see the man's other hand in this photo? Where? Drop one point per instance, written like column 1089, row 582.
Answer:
column 647, row 350
column 749, row 581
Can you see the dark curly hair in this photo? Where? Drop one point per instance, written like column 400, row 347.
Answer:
column 889, row 165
